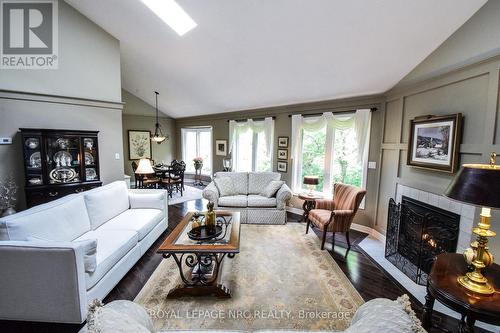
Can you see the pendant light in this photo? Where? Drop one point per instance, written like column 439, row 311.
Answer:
column 158, row 137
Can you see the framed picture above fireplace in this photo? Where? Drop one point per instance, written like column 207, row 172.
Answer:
column 434, row 142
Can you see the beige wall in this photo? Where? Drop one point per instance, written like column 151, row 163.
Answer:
column 133, row 120
column 283, row 124
column 89, row 63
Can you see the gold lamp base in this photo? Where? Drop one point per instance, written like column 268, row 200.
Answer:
column 483, row 288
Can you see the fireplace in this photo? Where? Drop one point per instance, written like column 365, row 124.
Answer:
column 416, row 233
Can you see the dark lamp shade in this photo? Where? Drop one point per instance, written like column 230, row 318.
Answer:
column 311, row 180
column 476, row 184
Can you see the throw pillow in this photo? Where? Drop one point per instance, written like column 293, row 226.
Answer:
column 270, row 190
column 225, row 186
column 147, row 200
column 89, row 250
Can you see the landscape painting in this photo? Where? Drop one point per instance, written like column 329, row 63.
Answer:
column 434, row 142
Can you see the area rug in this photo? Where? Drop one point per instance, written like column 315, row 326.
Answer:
column 279, row 280
column 189, row 194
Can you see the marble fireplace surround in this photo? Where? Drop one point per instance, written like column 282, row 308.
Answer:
column 467, row 212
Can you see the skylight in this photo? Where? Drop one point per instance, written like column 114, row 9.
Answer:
column 172, row 14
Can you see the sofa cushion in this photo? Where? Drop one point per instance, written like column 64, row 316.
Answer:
column 240, row 180
column 260, row 201
column 106, row 202
column 233, row 201
column 141, row 221
column 225, row 186
column 257, row 181
column 272, row 188
column 61, row 220
column 114, row 244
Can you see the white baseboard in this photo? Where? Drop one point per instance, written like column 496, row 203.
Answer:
column 358, row 227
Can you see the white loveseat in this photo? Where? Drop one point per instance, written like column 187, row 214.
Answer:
column 43, row 260
column 253, row 207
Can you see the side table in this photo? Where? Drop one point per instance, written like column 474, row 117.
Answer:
column 442, row 285
column 309, row 203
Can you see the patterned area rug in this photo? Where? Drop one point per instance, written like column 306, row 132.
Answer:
column 280, row 280
column 191, row 193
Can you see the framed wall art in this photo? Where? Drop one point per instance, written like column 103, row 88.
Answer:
column 282, row 141
column 283, row 154
column 139, row 144
column 434, row 142
column 282, row 166
column 221, row 147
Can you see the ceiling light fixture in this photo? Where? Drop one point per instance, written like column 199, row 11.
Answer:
column 172, row 14
column 158, row 137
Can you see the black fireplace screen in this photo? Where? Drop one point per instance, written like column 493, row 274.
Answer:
column 416, row 234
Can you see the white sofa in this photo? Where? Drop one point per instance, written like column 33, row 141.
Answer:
column 44, row 273
column 253, row 208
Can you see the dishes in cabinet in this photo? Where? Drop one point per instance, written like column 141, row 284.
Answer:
column 90, row 174
column 89, row 158
column 62, row 175
column 62, row 158
column 88, row 143
column 35, row 160
column 62, row 143
column 35, row 181
column 32, row 143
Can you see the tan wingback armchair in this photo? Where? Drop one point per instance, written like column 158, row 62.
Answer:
column 336, row 215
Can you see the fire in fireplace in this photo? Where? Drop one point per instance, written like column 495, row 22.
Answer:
column 416, row 234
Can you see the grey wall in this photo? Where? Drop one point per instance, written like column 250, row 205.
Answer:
column 283, row 127
column 134, row 119
column 89, row 63
column 472, row 89
column 84, row 93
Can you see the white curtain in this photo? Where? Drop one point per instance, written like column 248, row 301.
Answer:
column 360, row 120
column 238, row 127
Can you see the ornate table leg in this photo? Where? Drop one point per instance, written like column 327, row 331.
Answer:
column 427, row 311
column 467, row 324
column 204, row 276
column 307, row 206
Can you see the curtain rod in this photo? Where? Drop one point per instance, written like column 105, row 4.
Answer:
column 320, row 114
column 254, row 119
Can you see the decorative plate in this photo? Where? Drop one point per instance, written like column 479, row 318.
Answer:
column 35, row 181
column 62, row 175
column 88, row 143
column 62, row 143
column 32, row 143
column 89, row 158
column 90, row 174
column 35, row 160
column 63, row 158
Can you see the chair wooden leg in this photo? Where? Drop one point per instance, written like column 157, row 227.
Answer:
column 333, row 241
column 324, row 239
column 348, row 240
column 307, row 226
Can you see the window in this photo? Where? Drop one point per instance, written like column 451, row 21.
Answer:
column 197, row 142
column 328, row 147
column 249, row 145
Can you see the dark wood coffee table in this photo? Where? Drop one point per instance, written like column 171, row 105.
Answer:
column 442, row 285
column 200, row 263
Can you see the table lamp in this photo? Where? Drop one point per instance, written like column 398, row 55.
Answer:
column 311, row 182
column 144, row 168
column 478, row 184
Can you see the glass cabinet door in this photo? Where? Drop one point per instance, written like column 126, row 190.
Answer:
column 63, row 159
column 33, row 163
column 90, row 159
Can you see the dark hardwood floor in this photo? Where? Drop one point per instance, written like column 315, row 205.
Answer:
column 368, row 278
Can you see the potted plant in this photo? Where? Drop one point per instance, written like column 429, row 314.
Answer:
column 8, row 191
column 198, row 163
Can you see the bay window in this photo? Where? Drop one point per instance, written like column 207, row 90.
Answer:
column 251, row 144
column 197, row 142
column 332, row 147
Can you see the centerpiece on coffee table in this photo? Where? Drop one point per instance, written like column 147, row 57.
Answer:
column 199, row 251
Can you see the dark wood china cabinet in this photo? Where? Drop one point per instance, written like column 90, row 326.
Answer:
column 58, row 163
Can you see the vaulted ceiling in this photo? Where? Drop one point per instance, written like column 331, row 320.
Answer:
column 253, row 53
